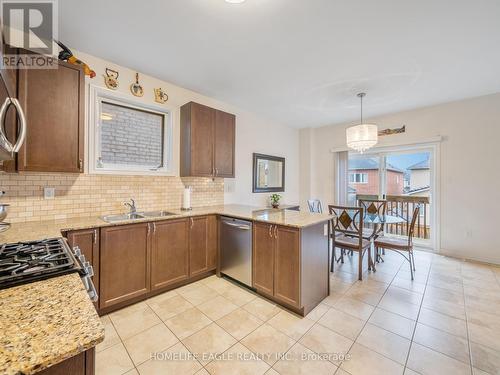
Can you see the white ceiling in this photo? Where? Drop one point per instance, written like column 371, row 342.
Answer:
column 300, row 62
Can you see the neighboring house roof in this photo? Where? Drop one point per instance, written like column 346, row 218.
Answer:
column 421, row 165
column 418, row 190
column 369, row 163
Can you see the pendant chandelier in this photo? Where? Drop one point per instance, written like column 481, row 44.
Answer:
column 363, row 136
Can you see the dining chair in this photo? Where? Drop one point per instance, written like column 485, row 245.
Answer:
column 350, row 234
column 401, row 246
column 315, row 206
column 375, row 207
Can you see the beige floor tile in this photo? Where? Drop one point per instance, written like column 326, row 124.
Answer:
column 198, row 295
column 320, row 339
column 239, row 323
column 272, row 371
column 202, row 372
column 238, row 360
column 444, row 322
column 113, row 361
column 354, row 307
column 484, row 336
column 384, row 342
column 216, row 308
column 155, row 339
column 418, row 276
column 301, row 361
column 133, row 320
column 110, row 335
column 316, row 313
column 188, row 322
column 167, row 308
column 341, row 372
column 332, row 299
column 175, row 360
column 429, row 362
column 485, row 359
column 290, row 324
column 262, row 309
column 444, row 307
column 364, row 295
column 440, row 341
column 410, row 285
column 408, row 310
column 404, row 295
column 209, row 341
column 219, row 284
column 364, row 361
column 484, row 319
column 268, row 342
column 342, row 323
column 393, row 323
column 132, row 372
column 440, row 294
column 238, row 295
column 410, row 372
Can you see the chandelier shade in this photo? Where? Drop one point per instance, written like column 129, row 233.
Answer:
column 362, row 137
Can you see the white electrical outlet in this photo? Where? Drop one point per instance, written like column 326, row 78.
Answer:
column 49, row 193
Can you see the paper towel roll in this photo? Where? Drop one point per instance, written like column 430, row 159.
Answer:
column 186, row 198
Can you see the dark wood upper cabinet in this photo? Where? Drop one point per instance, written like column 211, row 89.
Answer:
column 224, row 144
column 124, row 263
column 170, row 253
column 53, row 102
column 207, row 141
column 263, row 258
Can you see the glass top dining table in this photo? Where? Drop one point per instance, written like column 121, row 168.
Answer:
column 376, row 219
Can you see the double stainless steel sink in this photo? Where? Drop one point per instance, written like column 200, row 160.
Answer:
column 135, row 216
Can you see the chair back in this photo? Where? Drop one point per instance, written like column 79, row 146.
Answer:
column 373, row 206
column 411, row 230
column 315, row 206
column 347, row 220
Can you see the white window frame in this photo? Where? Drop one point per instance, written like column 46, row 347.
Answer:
column 99, row 95
column 363, row 178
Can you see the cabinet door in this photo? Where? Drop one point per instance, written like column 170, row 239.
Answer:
column 198, row 245
column 224, row 144
column 53, row 102
column 201, row 140
column 124, row 263
column 170, row 253
column 287, row 266
column 213, row 242
column 88, row 242
column 263, row 258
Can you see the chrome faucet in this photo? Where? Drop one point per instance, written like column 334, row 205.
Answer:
column 132, row 207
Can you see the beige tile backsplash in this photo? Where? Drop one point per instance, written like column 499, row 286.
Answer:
column 94, row 195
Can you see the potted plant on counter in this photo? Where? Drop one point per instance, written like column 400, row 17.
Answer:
column 275, row 200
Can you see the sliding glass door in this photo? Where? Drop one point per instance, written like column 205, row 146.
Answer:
column 403, row 177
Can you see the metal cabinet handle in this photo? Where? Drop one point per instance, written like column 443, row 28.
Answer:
column 239, row 226
column 95, row 235
column 275, row 231
column 270, row 229
column 22, row 119
column 154, row 227
column 149, row 229
column 192, row 222
column 216, row 171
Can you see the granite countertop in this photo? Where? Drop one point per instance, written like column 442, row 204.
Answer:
column 48, row 229
column 44, row 323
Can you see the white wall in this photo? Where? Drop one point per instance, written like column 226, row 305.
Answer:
column 470, row 168
column 253, row 134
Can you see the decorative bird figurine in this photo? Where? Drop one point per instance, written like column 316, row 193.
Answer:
column 67, row 55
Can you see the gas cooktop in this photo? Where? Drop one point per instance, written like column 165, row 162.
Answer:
column 25, row 262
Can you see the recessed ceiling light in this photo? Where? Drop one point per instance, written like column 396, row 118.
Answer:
column 235, row 1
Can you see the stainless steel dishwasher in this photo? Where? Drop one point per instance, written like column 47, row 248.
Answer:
column 236, row 249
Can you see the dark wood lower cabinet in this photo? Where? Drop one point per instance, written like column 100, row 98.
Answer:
column 202, row 244
column 88, row 242
column 170, row 253
column 81, row 364
column 290, row 265
column 287, row 265
column 263, row 258
column 124, row 263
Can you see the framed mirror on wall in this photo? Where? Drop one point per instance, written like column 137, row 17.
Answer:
column 268, row 173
